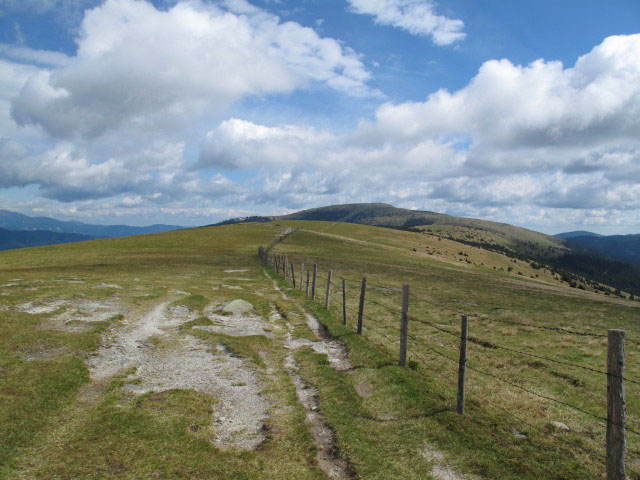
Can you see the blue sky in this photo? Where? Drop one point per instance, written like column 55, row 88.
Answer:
column 191, row 112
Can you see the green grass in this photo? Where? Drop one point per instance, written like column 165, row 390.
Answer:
column 388, row 259
column 56, row 422
column 195, row 303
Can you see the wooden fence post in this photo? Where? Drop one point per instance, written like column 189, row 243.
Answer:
column 363, row 290
column 327, row 298
column 462, row 366
column 344, row 301
column 307, row 289
column 404, row 325
column 293, row 276
column 315, row 277
column 301, row 274
column 616, row 407
column 286, row 267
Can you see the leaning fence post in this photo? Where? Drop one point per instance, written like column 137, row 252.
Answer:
column 315, row 277
column 327, row 298
column 616, row 407
column 404, row 325
column 344, row 301
column 307, row 289
column 293, row 276
column 363, row 290
column 462, row 366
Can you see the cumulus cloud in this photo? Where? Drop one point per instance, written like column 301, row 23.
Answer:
column 67, row 174
column 418, row 17
column 540, row 135
column 523, row 117
column 140, row 67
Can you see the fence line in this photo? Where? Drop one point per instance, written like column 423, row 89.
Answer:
column 616, row 422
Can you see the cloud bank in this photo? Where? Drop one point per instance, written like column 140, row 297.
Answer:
column 141, row 120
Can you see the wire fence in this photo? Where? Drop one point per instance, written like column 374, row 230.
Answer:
column 379, row 312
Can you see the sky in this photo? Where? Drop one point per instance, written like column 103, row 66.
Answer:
column 194, row 111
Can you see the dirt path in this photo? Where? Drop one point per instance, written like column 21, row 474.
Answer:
column 328, row 457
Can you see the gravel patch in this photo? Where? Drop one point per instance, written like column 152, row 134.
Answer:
column 125, row 346
column 108, row 285
column 238, row 419
column 239, row 324
column 170, row 360
column 441, row 470
column 79, row 314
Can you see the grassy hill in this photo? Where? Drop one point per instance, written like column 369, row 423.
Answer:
column 580, row 267
column 66, row 309
column 384, row 215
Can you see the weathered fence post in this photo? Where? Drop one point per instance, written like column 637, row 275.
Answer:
column 315, row 277
column 293, row 276
column 307, row 289
column 462, row 366
column 328, row 296
column 344, row 301
column 301, row 275
column 286, row 267
column 616, row 407
column 404, row 325
column 363, row 290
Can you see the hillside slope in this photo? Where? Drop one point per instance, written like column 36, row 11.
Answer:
column 384, row 215
column 577, row 267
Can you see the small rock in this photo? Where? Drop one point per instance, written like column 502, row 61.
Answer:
column 560, row 426
column 238, row 307
column 518, row 434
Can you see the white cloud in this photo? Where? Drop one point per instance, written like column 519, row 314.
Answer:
column 418, row 17
column 539, row 136
column 67, row 174
column 28, row 55
column 139, row 67
column 533, row 117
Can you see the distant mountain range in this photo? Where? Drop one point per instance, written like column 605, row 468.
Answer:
column 19, row 231
column 625, row 248
column 36, row 238
column 578, row 233
column 19, row 222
